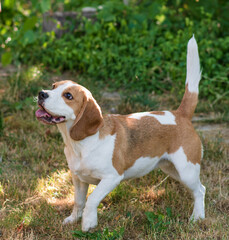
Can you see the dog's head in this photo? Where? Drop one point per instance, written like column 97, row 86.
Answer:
column 69, row 101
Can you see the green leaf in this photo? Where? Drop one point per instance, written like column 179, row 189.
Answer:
column 29, row 37
column 80, row 234
column 169, row 212
column 29, row 24
column 45, row 5
column 6, row 58
column 8, row 3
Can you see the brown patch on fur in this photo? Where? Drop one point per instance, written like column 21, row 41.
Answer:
column 109, row 127
column 158, row 113
column 138, row 138
column 188, row 104
column 88, row 114
column 57, row 84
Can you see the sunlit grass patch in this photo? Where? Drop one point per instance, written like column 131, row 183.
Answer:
column 91, row 188
column 56, row 186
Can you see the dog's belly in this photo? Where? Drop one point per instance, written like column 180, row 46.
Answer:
column 141, row 167
column 86, row 178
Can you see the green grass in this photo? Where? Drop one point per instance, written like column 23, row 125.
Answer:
column 36, row 192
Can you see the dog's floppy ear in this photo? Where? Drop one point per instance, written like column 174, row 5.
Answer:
column 88, row 121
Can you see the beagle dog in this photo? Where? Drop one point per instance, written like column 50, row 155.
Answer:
column 107, row 149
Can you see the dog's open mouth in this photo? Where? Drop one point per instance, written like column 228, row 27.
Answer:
column 45, row 117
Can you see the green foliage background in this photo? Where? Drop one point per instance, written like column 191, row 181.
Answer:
column 140, row 47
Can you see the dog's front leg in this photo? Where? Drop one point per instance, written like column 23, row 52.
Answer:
column 79, row 200
column 105, row 186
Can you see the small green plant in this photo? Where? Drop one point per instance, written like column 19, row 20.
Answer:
column 104, row 235
column 159, row 221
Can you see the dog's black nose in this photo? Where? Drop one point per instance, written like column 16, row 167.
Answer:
column 42, row 96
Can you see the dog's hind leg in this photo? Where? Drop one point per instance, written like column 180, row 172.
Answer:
column 189, row 174
column 167, row 167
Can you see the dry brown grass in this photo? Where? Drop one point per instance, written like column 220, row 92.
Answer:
column 36, row 193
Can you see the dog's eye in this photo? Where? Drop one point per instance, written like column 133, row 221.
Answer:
column 53, row 86
column 68, row 96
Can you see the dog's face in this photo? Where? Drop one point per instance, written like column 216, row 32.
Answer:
column 60, row 104
column 68, row 101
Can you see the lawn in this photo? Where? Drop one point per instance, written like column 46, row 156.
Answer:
column 137, row 53
column 36, row 192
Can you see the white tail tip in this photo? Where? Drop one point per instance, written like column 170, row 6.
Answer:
column 192, row 45
column 193, row 66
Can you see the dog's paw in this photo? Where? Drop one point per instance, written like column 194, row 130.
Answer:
column 70, row 220
column 88, row 225
column 196, row 216
column 89, row 220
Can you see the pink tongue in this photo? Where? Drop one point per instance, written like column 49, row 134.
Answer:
column 41, row 113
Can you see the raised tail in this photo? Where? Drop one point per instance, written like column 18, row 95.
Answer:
column 193, row 76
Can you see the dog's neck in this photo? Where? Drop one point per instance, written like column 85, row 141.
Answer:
column 79, row 147
column 64, row 130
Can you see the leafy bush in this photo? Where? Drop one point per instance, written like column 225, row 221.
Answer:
column 141, row 47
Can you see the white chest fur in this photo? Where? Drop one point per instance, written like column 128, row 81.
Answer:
column 91, row 158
